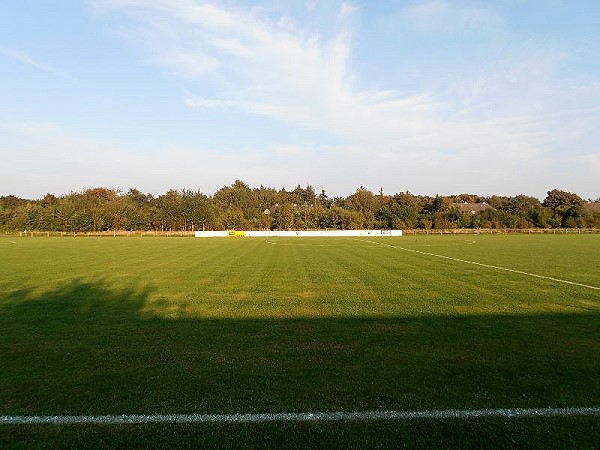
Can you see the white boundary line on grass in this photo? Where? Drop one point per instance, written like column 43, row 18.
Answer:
column 299, row 417
column 489, row 266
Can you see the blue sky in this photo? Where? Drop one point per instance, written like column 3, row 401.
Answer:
column 434, row 96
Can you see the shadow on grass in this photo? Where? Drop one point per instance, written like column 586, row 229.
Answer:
column 85, row 349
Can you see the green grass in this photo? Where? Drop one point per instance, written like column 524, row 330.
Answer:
column 177, row 325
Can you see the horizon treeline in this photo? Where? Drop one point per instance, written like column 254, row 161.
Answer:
column 238, row 206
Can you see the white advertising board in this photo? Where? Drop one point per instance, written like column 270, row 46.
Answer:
column 299, row 233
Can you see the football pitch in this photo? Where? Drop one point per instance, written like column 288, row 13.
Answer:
column 261, row 342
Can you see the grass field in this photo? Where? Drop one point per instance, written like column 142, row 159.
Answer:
column 95, row 326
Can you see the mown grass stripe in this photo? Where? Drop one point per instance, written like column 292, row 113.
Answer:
column 299, row 417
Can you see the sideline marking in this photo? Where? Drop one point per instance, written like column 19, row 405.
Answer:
column 489, row 266
column 298, row 417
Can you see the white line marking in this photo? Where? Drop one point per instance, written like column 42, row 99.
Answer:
column 299, row 417
column 489, row 266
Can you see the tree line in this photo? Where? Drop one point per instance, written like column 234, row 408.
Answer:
column 238, row 206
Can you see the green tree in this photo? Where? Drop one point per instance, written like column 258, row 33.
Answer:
column 324, row 200
column 365, row 203
column 566, row 206
column 97, row 204
column 561, row 199
column 284, row 217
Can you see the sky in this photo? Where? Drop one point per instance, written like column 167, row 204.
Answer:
column 430, row 96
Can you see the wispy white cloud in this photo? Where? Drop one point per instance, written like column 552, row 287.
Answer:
column 489, row 127
column 268, row 69
column 23, row 57
column 263, row 63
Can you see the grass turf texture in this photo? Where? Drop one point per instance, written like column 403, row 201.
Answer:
column 176, row 325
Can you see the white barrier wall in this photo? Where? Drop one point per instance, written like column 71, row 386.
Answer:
column 208, row 234
column 299, row 233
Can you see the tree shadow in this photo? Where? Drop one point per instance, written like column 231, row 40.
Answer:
column 88, row 349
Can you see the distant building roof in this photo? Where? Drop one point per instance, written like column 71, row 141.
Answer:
column 594, row 206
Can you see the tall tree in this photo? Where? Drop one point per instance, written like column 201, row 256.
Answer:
column 557, row 198
column 567, row 208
